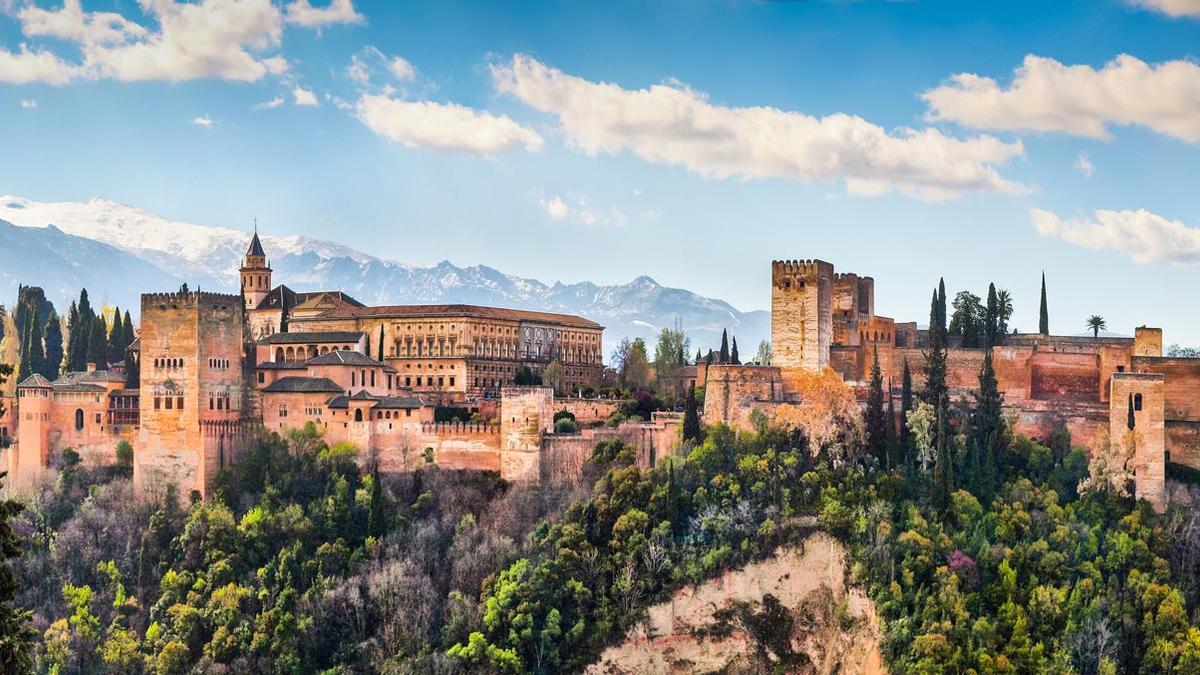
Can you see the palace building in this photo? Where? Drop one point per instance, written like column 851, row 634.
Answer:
column 216, row 370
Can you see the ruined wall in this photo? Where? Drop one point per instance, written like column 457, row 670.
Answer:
column 733, row 392
column 801, row 313
column 1144, row 447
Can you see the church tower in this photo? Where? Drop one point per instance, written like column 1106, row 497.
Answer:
column 256, row 273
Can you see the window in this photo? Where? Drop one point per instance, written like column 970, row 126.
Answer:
column 408, row 412
column 78, row 420
column 220, row 404
column 262, row 378
column 358, row 415
column 1120, row 369
column 97, row 418
column 179, row 402
column 1137, row 401
column 283, row 411
column 157, row 402
column 451, row 380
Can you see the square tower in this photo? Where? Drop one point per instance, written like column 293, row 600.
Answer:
column 191, row 387
column 1142, row 448
column 801, row 313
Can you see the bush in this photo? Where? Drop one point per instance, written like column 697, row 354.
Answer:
column 564, row 425
column 125, row 456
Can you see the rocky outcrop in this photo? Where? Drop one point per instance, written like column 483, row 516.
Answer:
column 793, row 612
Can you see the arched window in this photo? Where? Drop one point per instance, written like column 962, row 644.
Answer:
column 358, row 415
column 1137, row 401
column 291, row 354
column 278, row 354
column 78, row 419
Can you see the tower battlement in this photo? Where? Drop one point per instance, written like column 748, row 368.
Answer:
column 801, row 311
column 189, row 299
column 801, row 270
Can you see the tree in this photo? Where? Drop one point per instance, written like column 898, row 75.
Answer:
column 733, row 353
column 1043, row 313
column 935, row 392
column 1004, row 312
column 79, row 329
column 133, row 373
column 944, row 469
column 673, row 343
column 552, row 375
column 97, row 348
column 376, row 522
column 987, row 430
column 16, row 635
column 1178, row 352
column 54, row 346
column 906, row 406
column 1130, row 420
column 116, row 333
column 699, row 357
column 969, row 319
column 33, row 354
column 635, row 368
column 875, row 417
column 691, row 418
column 1096, row 323
column 991, row 321
column 724, row 356
column 764, row 355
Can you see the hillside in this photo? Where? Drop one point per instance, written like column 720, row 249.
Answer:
column 208, row 257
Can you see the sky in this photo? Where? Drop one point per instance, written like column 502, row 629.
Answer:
column 693, row 142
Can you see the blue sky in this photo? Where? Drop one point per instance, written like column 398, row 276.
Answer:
column 731, row 133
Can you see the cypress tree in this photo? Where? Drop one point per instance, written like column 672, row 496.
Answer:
column 72, row 336
column 991, row 327
column 708, row 360
column 935, row 393
column 942, row 307
column 97, row 346
column 733, row 353
column 1130, row 421
column 691, row 418
column 724, row 346
column 699, row 356
column 381, row 342
column 987, row 432
column 133, row 373
column 127, row 324
column 1043, row 313
column 116, row 333
column 892, row 441
column 875, row 420
column 906, row 405
column 17, row 637
column 54, row 346
column 33, row 354
column 945, row 466
column 376, row 521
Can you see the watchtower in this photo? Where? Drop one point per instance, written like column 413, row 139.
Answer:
column 801, row 313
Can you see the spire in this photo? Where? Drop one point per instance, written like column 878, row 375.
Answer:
column 255, row 245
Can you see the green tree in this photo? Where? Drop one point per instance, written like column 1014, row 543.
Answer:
column 986, row 440
column 936, row 393
column 969, row 318
column 875, row 416
column 906, row 406
column 1096, row 324
column 691, row 418
column 376, row 521
column 1004, row 312
column 635, row 369
column 724, row 354
column 79, row 327
column 991, row 321
column 673, row 343
column 764, row 355
column 54, row 346
column 1043, row 312
column 733, row 353
column 16, row 635
column 97, row 349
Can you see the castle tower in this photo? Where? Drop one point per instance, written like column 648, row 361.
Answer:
column 801, row 313
column 191, row 387
column 526, row 415
column 28, row 459
column 1142, row 448
column 256, row 273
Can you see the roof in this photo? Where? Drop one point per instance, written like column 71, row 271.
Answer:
column 457, row 311
column 297, row 384
column 35, row 380
column 255, row 247
column 385, row 402
column 339, row 336
column 341, row 357
column 283, row 297
column 282, row 365
column 86, row 377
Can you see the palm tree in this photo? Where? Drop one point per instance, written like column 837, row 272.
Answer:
column 1004, row 308
column 1096, row 323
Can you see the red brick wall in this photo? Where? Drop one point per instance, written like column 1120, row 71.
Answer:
column 1065, row 376
column 1182, row 384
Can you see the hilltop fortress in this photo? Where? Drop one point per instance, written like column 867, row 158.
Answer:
column 821, row 319
column 217, row 370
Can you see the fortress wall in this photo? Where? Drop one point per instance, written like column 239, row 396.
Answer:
column 1183, row 442
column 848, row 362
column 732, row 392
column 1182, row 384
column 1066, row 376
column 588, row 410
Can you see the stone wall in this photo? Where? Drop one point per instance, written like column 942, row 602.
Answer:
column 1182, row 384
column 588, row 410
column 1144, row 447
column 733, row 392
column 1183, row 443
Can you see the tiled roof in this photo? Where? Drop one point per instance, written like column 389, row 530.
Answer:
column 297, row 384
column 340, row 357
column 35, row 380
column 282, row 365
column 83, row 376
column 383, row 402
column 282, row 296
column 338, row 336
column 255, row 247
column 460, row 311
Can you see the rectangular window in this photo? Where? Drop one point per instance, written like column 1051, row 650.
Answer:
column 451, row 380
column 441, row 381
column 262, row 378
column 408, row 412
column 170, row 401
column 179, row 402
column 220, row 404
column 157, row 402
column 408, row 381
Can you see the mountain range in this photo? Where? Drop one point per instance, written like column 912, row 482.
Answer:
column 118, row 251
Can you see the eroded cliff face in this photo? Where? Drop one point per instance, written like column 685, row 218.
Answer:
column 790, row 613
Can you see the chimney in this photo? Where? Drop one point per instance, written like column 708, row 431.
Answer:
column 91, row 367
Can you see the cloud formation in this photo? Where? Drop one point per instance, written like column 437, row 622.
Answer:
column 1143, row 236
column 203, row 121
column 1084, row 164
column 1046, row 95
column 211, row 39
column 28, row 104
column 304, row 97
column 444, row 126
column 673, row 124
column 1173, row 8
column 582, row 211
column 268, row 105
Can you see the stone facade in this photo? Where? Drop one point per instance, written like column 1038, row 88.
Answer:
column 801, row 313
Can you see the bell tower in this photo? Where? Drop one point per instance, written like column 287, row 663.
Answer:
column 256, row 273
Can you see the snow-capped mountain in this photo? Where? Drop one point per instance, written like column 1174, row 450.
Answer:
column 141, row 251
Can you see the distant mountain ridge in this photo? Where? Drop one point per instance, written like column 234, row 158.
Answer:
column 119, row 251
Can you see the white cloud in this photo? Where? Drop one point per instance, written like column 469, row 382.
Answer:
column 444, row 126
column 1046, row 95
column 203, row 121
column 672, row 124
column 583, row 212
column 401, row 69
column 1174, row 8
column 268, row 105
column 302, row 13
column 1143, row 236
column 208, row 39
column 1084, row 164
column 304, row 96
column 28, row 104
column 555, row 207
